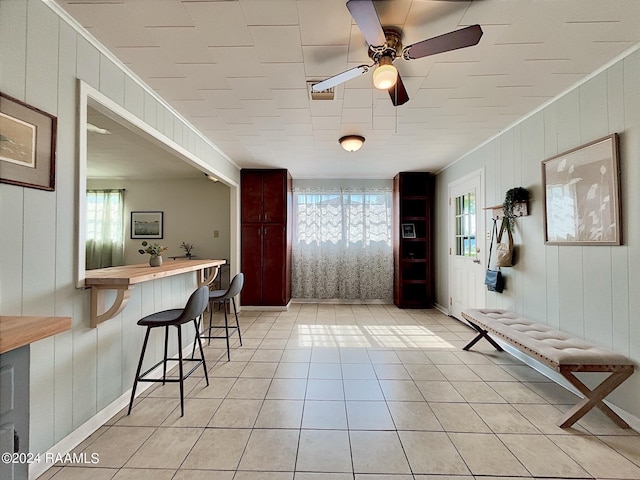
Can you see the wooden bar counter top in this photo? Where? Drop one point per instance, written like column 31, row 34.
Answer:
column 122, row 279
column 18, row 331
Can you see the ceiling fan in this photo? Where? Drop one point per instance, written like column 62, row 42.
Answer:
column 385, row 45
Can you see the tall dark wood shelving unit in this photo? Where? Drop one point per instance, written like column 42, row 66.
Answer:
column 412, row 257
column 265, row 196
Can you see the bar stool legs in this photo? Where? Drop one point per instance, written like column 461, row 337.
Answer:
column 135, row 381
column 226, row 298
column 181, row 374
column 227, row 336
column 192, row 312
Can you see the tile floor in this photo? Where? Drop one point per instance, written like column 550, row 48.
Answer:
column 337, row 392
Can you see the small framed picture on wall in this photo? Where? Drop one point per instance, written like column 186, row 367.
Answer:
column 27, row 145
column 147, row 224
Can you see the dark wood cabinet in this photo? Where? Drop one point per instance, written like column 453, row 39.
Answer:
column 264, row 196
column 266, row 236
column 412, row 248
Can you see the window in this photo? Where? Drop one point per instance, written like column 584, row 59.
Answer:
column 466, row 225
column 105, row 228
column 342, row 245
column 348, row 218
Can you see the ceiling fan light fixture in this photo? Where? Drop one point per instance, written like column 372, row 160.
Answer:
column 351, row 143
column 386, row 75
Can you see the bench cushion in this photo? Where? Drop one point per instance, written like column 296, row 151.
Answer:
column 553, row 347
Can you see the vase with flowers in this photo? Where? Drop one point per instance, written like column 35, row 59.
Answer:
column 155, row 250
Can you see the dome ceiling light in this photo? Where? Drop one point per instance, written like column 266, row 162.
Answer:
column 351, row 143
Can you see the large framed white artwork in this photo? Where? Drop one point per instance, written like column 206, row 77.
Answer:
column 582, row 195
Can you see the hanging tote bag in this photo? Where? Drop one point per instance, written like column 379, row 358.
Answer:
column 504, row 251
column 493, row 278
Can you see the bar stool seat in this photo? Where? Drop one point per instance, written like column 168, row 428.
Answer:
column 176, row 317
column 226, row 297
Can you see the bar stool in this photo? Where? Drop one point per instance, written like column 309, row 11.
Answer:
column 226, row 297
column 175, row 317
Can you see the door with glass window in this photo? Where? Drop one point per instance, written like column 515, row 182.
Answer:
column 466, row 245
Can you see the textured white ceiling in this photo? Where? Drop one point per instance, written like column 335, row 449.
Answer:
column 238, row 71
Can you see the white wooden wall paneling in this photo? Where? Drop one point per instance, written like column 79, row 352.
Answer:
column 42, row 58
column 619, row 255
column 65, row 232
column 150, row 109
column 111, row 80
column 531, row 245
column 507, row 159
column 133, row 97
column 630, row 182
column 88, row 62
column 39, row 217
column 13, row 47
column 570, row 271
column 168, row 123
column 132, row 336
column 11, row 240
column 596, row 279
column 551, row 252
column 85, row 366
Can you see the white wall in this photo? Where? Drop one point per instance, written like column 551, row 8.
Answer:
column 76, row 374
column 193, row 210
column 592, row 291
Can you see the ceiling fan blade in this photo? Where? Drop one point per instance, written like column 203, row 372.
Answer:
column 465, row 37
column 340, row 78
column 398, row 93
column 364, row 13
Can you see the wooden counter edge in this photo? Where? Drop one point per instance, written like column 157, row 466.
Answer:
column 126, row 275
column 18, row 331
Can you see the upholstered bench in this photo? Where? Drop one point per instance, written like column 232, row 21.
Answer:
column 558, row 350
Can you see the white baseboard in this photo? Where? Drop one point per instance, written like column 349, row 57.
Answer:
column 342, row 301
column 266, row 308
column 84, row 431
column 441, row 309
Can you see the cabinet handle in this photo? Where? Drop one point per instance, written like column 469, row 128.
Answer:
column 265, row 231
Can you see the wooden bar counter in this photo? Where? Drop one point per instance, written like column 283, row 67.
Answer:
column 16, row 331
column 123, row 279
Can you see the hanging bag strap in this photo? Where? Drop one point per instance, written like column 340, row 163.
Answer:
column 494, row 230
column 503, row 227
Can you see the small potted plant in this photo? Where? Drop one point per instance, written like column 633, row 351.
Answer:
column 187, row 247
column 155, row 250
column 512, row 205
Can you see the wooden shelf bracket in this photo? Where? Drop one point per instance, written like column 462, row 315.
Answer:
column 98, row 311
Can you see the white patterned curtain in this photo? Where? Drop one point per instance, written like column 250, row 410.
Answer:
column 342, row 246
column 105, row 228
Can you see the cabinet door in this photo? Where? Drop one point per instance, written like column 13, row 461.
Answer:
column 14, row 411
column 251, row 196
column 252, row 264
column 273, row 261
column 274, row 196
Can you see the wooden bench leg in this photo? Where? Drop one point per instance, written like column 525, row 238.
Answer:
column 593, row 398
column 481, row 334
